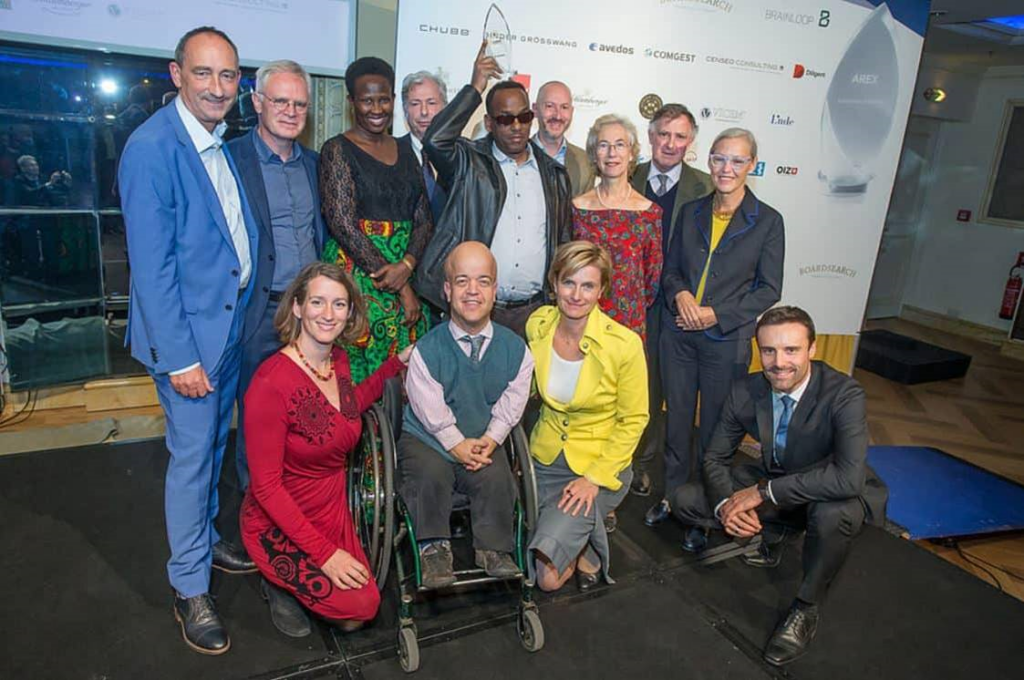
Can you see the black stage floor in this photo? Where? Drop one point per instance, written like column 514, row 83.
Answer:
column 85, row 596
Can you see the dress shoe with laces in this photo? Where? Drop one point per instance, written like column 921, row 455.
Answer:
column 793, row 635
column 496, row 564
column 436, row 568
column 641, row 485
column 201, row 626
column 695, row 539
column 231, row 559
column 658, row 513
column 288, row 615
column 768, row 556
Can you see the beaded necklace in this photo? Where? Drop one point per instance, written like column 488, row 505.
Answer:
column 316, row 373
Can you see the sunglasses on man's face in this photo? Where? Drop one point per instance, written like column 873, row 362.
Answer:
column 506, row 119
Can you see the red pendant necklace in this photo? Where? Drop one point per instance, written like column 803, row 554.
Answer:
column 317, row 374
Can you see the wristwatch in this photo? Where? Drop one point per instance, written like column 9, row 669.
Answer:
column 762, row 488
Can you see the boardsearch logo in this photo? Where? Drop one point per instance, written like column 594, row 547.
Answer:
column 700, row 5
column 686, row 57
column 823, row 19
column 799, row 71
column 786, row 170
column 614, row 49
column 758, row 170
column 828, row 271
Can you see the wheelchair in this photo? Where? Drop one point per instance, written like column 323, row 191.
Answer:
column 386, row 531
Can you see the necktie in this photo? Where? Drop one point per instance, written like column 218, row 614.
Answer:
column 662, row 185
column 476, row 342
column 780, row 433
column 428, row 178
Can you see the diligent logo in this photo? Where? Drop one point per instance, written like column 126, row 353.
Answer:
column 799, row 71
column 614, row 49
column 828, row 271
column 686, row 57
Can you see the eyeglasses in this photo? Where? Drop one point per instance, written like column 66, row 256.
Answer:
column 282, row 104
column 604, row 147
column 737, row 162
column 506, row 119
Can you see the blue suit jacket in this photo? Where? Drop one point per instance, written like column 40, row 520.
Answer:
column 745, row 276
column 243, row 151
column 184, row 269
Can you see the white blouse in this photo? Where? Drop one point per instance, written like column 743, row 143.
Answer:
column 563, row 377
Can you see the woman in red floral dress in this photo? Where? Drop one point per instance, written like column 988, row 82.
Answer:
column 625, row 222
column 302, row 419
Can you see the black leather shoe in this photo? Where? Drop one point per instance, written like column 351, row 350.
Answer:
column 658, row 513
column 611, row 522
column 641, row 485
column 201, row 627
column 585, row 581
column 288, row 615
column 793, row 635
column 496, row 564
column 695, row 539
column 768, row 556
column 231, row 559
column 436, row 569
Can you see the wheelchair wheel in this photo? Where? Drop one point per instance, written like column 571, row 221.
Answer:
column 530, row 629
column 371, row 492
column 522, row 467
column 408, row 649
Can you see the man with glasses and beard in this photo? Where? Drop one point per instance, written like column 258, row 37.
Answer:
column 504, row 192
column 553, row 110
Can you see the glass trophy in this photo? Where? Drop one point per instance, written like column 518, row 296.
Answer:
column 860, row 105
column 499, row 40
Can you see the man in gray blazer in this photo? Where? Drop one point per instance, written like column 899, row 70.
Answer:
column 671, row 132
column 553, row 110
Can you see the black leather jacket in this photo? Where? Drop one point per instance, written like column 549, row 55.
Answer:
column 476, row 193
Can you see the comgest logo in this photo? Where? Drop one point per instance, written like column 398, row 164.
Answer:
column 799, row 71
column 686, row 57
column 614, row 49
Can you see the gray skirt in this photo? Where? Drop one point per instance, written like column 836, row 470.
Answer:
column 559, row 535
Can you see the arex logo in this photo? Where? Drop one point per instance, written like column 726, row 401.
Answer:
column 864, row 79
column 799, row 71
column 758, row 170
column 786, row 170
column 615, row 49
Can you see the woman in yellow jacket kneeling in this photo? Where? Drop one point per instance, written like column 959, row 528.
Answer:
column 591, row 374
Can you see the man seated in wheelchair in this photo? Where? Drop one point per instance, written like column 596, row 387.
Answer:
column 467, row 384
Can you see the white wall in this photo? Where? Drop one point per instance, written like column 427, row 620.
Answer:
column 959, row 269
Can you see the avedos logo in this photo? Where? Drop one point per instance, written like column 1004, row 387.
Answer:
column 614, row 49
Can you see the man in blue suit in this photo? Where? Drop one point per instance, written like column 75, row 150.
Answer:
column 424, row 94
column 279, row 177
column 190, row 243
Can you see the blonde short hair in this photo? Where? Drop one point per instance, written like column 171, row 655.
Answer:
column 613, row 119
column 574, row 256
column 289, row 328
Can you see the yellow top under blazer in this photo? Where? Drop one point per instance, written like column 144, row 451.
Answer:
column 599, row 429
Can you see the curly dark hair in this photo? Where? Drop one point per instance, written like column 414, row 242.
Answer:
column 368, row 66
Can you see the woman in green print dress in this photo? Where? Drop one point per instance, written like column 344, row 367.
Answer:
column 376, row 207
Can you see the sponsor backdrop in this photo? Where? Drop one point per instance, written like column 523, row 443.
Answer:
column 824, row 85
column 316, row 33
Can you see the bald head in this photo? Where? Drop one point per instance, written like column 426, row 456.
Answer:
column 553, row 110
column 471, row 283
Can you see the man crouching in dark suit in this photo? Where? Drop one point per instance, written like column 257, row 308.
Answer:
column 813, row 475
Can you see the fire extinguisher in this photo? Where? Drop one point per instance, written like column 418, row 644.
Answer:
column 1012, row 290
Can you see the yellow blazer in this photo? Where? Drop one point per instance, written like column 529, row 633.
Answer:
column 600, row 427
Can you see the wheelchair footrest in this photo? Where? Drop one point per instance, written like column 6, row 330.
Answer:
column 729, row 551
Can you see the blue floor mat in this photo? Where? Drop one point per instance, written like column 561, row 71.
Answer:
column 934, row 495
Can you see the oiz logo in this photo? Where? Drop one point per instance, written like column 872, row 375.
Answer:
column 758, row 170
column 824, row 19
column 785, row 170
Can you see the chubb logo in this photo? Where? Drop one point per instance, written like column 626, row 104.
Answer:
column 758, row 170
column 864, row 79
column 786, row 170
column 615, row 49
column 799, row 71
column 444, row 30
column 779, row 119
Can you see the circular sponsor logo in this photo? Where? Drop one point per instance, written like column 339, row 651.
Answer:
column 593, row 47
column 705, row 113
column 649, row 105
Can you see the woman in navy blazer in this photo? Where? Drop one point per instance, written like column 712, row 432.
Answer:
column 723, row 269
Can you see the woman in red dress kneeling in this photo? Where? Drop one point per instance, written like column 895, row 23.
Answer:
column 302, row 419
